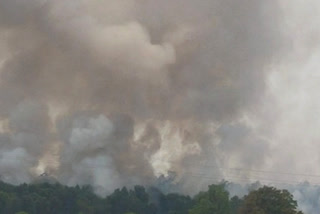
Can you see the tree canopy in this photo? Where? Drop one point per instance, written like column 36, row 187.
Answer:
column 269, row 200
column 57, row 198
column 215, row 200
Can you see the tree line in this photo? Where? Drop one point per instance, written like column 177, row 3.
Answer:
column 56, row 198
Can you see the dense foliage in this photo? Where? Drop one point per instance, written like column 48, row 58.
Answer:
column 56, row 198
column 269, row 200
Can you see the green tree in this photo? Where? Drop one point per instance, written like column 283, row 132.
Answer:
column 269, row 200
column 235, row 204
column 126, row 201
column 174, row 203
column 9, row 203
column 214, row 201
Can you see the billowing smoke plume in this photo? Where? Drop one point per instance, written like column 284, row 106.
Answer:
column 117, row 93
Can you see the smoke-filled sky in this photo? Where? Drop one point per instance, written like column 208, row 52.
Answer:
column 115, row 93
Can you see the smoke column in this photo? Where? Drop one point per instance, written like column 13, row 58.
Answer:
column 119, row 93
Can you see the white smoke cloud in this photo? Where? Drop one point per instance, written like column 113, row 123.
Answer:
column 16, row 166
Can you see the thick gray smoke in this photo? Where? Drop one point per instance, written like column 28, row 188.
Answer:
column 117, row 93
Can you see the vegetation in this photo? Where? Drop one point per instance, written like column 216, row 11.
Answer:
column 56, row 198
column 269, row 200
column 215, row 200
